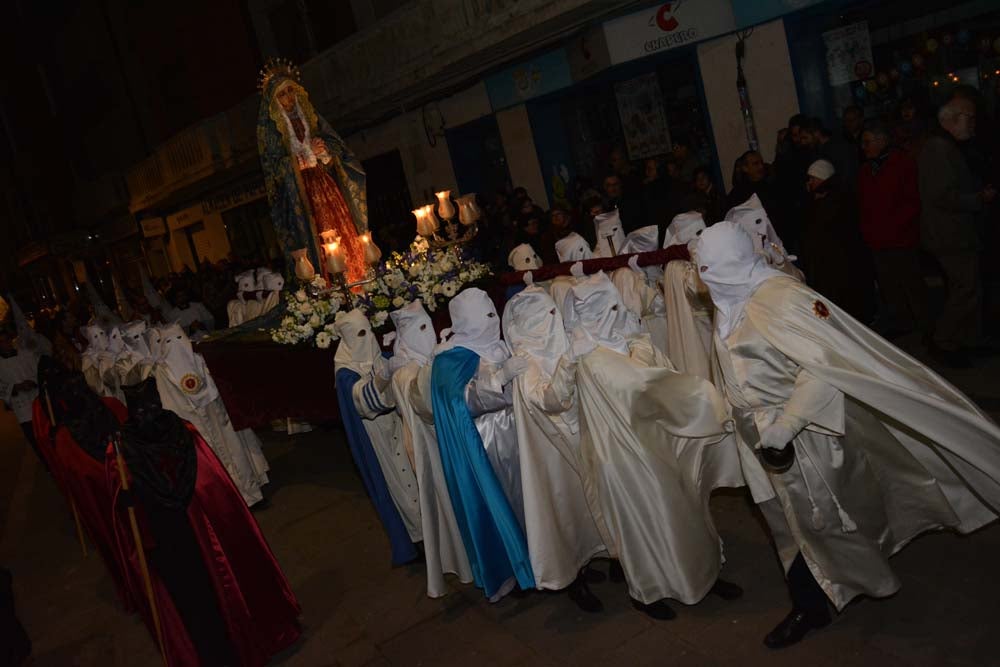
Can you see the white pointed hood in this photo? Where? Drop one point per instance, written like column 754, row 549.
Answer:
column 524, row 258
column 415, row 337
column 641, row 240
column 610, row 234
column 475, row 325
column 598, row 313
column 532, row 325
column 357, row 348
column 154, row 342
column 245, row 282
column 573, row 248
column 753, row 218
column 730, row 266
column 116, row 343
column 684, row 228
column 97, row 340
column 184, row 367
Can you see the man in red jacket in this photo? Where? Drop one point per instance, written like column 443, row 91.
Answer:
column 890, row 224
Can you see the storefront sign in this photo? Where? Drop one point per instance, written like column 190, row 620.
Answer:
column 753, row 12
column 848, row 54
column 588, row 54
column 667, row 26
column 238, row 196
column 546, row 73
column 153, row 227
column 188, row 216
column 644, row 122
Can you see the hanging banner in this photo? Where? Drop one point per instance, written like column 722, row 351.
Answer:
column 644, row 122
column 667, row 26
column 849, row 54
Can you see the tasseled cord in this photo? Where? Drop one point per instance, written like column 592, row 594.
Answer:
column 847, row 524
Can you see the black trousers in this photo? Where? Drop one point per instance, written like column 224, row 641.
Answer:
column 805, row 591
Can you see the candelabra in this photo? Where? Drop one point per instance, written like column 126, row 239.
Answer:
column 429, row 226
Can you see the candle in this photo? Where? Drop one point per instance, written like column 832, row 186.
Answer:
column 423, row 224
column 335, row 262
column 445, row 208
column 432, row 219
column 372, row 252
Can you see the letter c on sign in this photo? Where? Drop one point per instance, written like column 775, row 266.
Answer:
column 664, row 19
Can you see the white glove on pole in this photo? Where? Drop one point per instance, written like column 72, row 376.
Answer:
column 777, row 435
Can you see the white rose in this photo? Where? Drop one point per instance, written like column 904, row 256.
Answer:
column 379, row 318
column 306, row 309
column 323, row 340
column 315, row 322
column 301, row 296
column 398, row 302
column 414, row 270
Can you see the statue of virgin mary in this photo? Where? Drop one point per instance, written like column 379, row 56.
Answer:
column 314, row 182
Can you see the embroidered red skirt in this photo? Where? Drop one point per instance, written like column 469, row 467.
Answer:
column 330, row 212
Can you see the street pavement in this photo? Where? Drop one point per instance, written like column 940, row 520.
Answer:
column 357, row 610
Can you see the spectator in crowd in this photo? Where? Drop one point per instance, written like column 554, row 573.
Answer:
column 910, row 131
column 529, row 230
column 656, row 195
column 686, row 159
column 790, row 178
column 890, row 224
column 590, row 208
column 951, row 199
column 560, row 225
column 629, row 206
column 710, row 199
column 623, row 168
column 834, row 257
column 853, row 125
column 750, row 178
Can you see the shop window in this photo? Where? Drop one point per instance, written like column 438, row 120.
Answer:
column 389, row 202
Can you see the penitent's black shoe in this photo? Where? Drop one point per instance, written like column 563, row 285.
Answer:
column 583, row 597
column 727, row 590
column 592, row 575
column 659, row 610
column 796, row 625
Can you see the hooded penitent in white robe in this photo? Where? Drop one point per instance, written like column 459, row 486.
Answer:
column 358, row 351
column 186, row 388
column 444, row 552
column 570, row 248
column 640, row 288
column 28, row 340
column 752, row 217
column 688, row 305
column 884, row 448
column 475, row 325
column 561, row 531
column 270, row 285
column 93, row 359
column 243, row 309
column 610, row 234
column 653, row 444
column 524, row 258
column 132, row 366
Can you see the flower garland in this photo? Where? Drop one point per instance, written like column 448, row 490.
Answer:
column 433, row 276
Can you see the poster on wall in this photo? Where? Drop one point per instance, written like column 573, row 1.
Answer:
column 848, row 53
column 644, row 121
column 666, row 26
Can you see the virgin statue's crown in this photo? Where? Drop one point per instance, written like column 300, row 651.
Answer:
column 277, row 68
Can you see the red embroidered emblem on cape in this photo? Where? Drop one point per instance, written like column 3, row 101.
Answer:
column 191, row 383
column 822, row 312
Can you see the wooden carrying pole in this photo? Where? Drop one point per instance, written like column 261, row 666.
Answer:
column 144, row 569
column 72, row 503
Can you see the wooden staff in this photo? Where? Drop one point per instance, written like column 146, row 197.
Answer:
column 143, row 568
column 69, row 496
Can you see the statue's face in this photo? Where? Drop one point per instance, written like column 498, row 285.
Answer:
column 286, row 98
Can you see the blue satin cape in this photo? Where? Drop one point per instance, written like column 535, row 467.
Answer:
column 403, row 550
column 492, row 536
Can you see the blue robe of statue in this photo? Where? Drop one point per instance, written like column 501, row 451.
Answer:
column 493, row 537
column 403, row 550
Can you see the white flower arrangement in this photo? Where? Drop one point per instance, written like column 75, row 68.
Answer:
column 433, row 276
column 307, row 317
